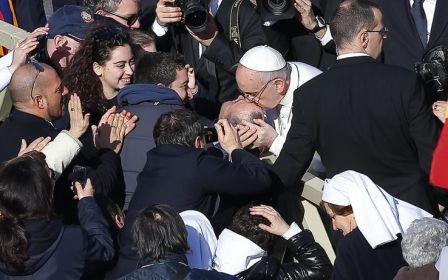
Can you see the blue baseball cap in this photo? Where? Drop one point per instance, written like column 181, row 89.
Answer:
column 71, row 21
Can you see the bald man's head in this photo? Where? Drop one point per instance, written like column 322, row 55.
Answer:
column 240, row 109
column 36, row 89
column 23, row 78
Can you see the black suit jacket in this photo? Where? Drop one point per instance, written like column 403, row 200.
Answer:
column 20, row 125
column 403, row 46
column 365, row 116
column 215, row 67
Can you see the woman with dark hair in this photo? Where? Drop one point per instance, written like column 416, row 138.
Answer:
column 34, row 244
column 103, row 64
column 160, row 237
column 372, row 223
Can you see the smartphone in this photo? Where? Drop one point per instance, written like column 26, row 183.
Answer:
column 79, row 174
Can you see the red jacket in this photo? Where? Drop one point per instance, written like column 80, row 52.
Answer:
column 439, row 167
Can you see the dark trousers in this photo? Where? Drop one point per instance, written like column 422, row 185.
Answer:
column 30, row 14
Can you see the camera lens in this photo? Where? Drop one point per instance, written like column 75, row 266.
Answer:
column 277, row 7
column 195, row 16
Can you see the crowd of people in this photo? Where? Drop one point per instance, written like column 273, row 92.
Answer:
column 140, row 146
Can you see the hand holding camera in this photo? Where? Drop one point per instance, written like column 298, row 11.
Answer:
column 167, row 13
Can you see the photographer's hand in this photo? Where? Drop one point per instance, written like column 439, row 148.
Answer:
column 166, row 14
column 207, row 36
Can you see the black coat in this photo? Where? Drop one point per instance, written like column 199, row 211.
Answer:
column 188, row 179
column 365, row 116
column 20, row 125
column 214, row 68
column 312, row 262
column 59, row 251
column 174, row 267
column 356, row 260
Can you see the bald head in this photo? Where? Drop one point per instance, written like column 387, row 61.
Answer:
column 240, row 109
column 44, row 99
column 22, row 81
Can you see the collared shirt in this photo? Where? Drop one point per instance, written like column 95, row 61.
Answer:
column 348, row 55
column 281, row 116
column 428, row 5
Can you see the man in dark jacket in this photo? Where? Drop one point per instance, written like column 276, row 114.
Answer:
column 160, row 87
column 250, row 237
column 180, row 173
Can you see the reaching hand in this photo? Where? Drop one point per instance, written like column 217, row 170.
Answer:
column 266, row 134
column 278, row 226
column 192, row 85
column 439, row 110
column 166, row 13
column 81, row 192
column 227, row 136
column 306, row 14
column 110, row 135
column 25, row 47
column 36, row 145
column 78, row 122
column 247, row 135
column 207, row 36
column 129, row 120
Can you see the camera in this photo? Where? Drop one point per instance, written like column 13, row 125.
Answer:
column 194, row 14
column 433, row 68
column 275, row 10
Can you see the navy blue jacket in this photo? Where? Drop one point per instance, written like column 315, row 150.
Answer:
column 148, row 102
column 174, row 267
column 188, row 179
column 59, row 251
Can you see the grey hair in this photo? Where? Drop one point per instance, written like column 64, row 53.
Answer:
column 109, row 6
column 284, row 73
column 423, row 241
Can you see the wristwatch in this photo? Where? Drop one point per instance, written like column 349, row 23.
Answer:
column 320, row 24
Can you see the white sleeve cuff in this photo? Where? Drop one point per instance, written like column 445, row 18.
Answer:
column 327, row 37
column 60, row 152
column 158, row 29
column 277, row 145
column 5, row 77
column 293, row 230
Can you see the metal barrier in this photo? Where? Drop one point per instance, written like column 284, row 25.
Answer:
column 10, row 35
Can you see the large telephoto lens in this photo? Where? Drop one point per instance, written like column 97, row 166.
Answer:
column 195, row 16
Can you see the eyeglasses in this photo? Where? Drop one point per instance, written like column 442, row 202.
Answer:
column 39, row 69
column 383, row 32
column 129, row 20
column 255, row 98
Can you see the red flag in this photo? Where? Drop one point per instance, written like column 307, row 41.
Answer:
column 439, row 167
